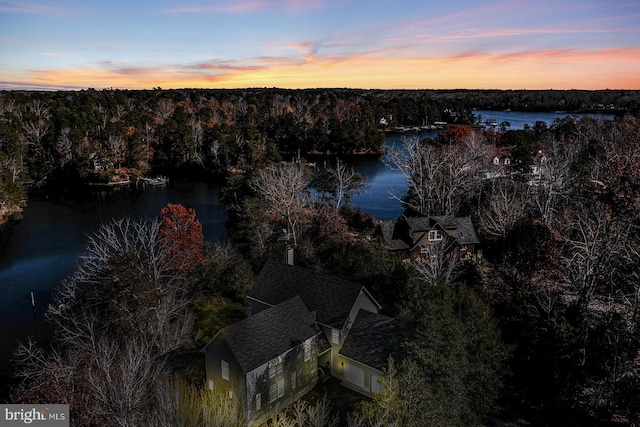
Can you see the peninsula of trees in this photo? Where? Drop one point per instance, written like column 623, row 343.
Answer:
column 65, row 139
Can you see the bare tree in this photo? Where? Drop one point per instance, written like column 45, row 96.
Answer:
column 165, row 109
column 283, row 188
column 302, row 414
column 197, row 133
column 595, row 248
column 124, row 283
column 551, row 188
column 440, row 268
column 319, row 415
column 116, row 321
column 419, row 166
column 505, row 204
column 118, row 149
column 438, row 176
column 347, row 183
column 123, row 378
column 34, row 131
column 64, row 146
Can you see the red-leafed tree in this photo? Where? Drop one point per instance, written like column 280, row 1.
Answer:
column 182, row 232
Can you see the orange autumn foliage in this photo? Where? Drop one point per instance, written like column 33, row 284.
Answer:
column 183, row 233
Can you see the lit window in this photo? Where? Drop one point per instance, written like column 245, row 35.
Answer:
column 230, row 394
column 258, row 401
column 294, row 377
column 435, row 235
column 335, row 336
column 225, row 370
column 307, row 350
column 210, row 384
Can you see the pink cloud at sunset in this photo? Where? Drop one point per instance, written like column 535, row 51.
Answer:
column 256, row 43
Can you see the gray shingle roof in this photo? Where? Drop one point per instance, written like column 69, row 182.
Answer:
column 370, row 339
column 393, row 236
column 265, row 335
column 396, row 233
column 332, row 298
column 465, row 231
column 418, row 223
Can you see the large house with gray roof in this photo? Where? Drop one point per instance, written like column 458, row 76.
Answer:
column 303, row 325
column 414, row 235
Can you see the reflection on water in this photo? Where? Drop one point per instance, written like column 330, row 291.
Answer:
column 37, row 253
column 383, row 183
column 41, row 250
column 518, row 119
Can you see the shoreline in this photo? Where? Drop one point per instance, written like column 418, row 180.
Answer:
column 10, row 213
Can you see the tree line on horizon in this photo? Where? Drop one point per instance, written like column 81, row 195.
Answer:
column 66, row 139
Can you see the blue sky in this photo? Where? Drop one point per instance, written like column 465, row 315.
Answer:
column 319, row 43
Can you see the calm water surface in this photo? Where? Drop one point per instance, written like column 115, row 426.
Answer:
column 383, row 181
column 37, row 253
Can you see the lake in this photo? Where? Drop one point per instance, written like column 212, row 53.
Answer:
column 37, row 253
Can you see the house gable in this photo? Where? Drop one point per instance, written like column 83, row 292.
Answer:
column 420, row 235
column 332, row 298
column 270, row 356
column 459, row 227
column 217, row 353
column 370, row 340
column 276, row 384
column 265, row 335
column 364, row 355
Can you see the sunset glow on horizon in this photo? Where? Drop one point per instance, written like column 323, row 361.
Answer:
column 320, row 43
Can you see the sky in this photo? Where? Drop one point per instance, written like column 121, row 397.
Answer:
column 393, row 44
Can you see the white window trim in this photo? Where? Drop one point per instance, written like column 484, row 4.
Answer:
column 275, row 367
column 225, row 370
column 273, row 390
column 335, row 336
column 307, row 350
column 437, row 235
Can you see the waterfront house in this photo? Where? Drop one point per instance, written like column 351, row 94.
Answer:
column 301, row 321
column 414, row 235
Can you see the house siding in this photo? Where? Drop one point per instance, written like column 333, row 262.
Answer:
column 217, row 352
column 258, row 382
column 363, row 302
column 417, row 235
column 342, row 365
